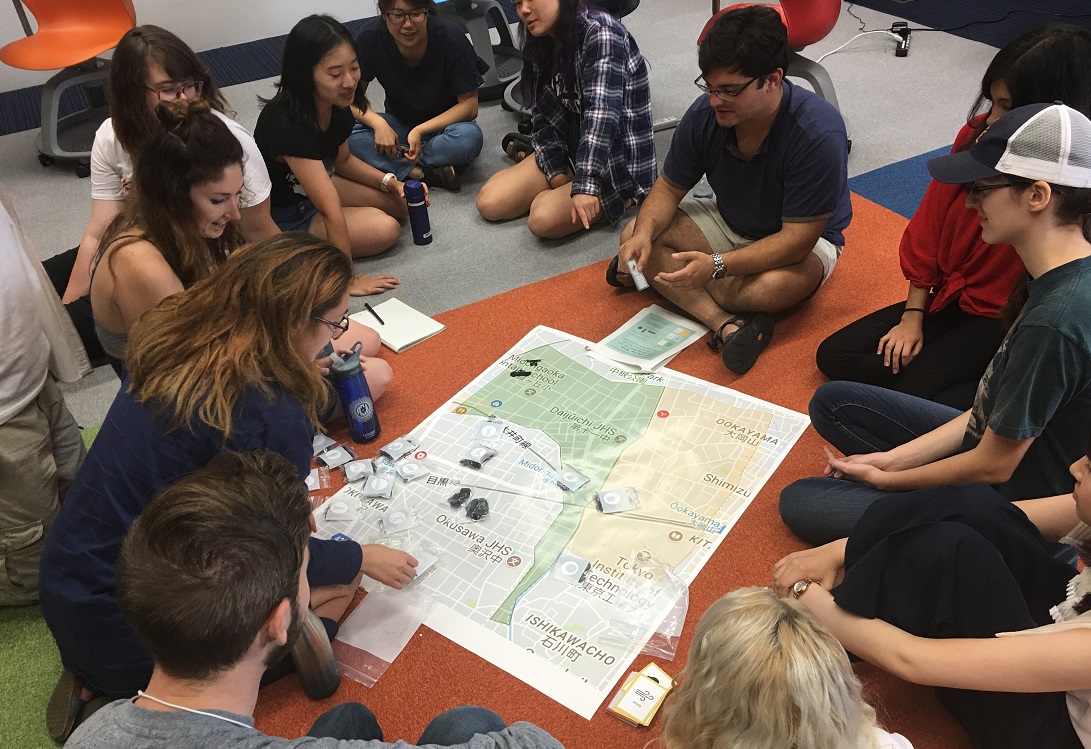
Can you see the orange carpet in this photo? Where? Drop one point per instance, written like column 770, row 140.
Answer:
column 433, row 674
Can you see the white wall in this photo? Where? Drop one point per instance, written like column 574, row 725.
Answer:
column 203, row 24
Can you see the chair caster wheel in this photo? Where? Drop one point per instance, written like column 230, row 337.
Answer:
column 45, row 160
column 83, row 169
column 849, row 150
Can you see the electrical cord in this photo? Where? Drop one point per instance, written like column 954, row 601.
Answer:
column 850, row 41
column 863, row 26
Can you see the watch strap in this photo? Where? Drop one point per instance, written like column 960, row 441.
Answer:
column 718, row 271
column 801, row 587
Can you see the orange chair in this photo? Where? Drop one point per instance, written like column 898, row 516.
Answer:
column 808, row 22
column 70, row 35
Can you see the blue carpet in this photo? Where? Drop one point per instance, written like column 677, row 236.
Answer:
column 899, row 186
column 946, row 14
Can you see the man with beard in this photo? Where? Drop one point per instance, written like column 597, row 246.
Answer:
column 212, row 577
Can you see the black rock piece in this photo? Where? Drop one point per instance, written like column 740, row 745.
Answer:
column 521, row 373
column 459, row 498
column 477, row 509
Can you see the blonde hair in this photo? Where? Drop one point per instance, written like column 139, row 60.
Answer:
column 762, row 672
column 196, row 353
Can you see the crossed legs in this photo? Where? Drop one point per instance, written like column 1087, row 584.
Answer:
column 715, row 303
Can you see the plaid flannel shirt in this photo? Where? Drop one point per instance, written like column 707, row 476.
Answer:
column 615, row 158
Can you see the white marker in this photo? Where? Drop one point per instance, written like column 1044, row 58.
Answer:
column 639, row 281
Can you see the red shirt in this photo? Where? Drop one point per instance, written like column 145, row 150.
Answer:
column 942, row 249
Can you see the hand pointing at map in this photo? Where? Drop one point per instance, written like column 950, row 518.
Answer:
column 391, row 567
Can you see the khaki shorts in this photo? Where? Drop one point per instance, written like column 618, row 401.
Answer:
column 723, row 238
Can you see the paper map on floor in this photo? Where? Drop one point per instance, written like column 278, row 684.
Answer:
column 696, row 452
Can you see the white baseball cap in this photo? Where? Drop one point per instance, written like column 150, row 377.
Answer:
column 1048, row 142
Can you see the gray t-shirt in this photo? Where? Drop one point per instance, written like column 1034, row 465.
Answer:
column 123, row 725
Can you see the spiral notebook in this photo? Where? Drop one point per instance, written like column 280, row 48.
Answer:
column 401, row 326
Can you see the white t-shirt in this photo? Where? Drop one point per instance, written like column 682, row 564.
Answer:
column 111, row 167
column 24, row 350
column 891, row 740
column 1079, row 702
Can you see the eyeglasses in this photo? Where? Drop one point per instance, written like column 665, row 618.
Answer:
column 399, row 16
column 721, row 94
column 976, row 191
column 174, row 91
column 339, row 328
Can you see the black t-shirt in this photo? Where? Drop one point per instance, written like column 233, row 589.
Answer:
column 419, row 93
column 279, row 133
column 1039, row 383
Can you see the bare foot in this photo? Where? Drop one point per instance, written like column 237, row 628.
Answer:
column 368, row 285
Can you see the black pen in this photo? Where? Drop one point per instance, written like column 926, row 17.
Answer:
column 374, row 313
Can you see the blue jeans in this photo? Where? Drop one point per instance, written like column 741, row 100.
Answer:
column 352, row 721
column 455, row 145
column 854, row 418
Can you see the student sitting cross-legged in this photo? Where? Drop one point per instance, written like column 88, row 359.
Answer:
column 775, row 156
column 430, row 76
column 212, row 576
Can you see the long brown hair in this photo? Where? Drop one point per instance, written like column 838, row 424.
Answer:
column 134, row 54
column 191, row 147
column 194, row 355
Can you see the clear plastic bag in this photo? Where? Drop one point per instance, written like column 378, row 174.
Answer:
column 378, row 630
column 649, row 607
column 664, row 641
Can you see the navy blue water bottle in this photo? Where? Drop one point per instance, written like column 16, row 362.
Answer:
column 355, row 396
column 418, row 211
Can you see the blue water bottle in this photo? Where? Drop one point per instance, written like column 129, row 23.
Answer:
column 418, row 211
column 355, row 396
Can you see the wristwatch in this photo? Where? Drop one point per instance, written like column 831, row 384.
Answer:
column 801, row 587
column 385, row 184
column 718, row 270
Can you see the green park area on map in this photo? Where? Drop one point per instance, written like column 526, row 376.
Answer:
column 591, row 418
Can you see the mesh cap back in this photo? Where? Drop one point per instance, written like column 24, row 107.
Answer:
column 1053, row 145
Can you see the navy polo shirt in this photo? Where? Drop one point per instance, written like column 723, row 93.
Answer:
column 798, row 174
column 417, row 94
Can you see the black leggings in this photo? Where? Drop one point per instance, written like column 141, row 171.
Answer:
column 957, row 348
column 960, row 561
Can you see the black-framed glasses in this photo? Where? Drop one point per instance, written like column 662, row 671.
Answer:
column 977, row 192
column 339, row 328
column 720, row 93
column 175, row 91
column 399, row 16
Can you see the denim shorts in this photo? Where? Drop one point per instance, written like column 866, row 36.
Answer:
column 294, row 217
